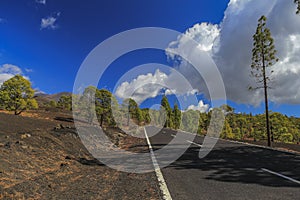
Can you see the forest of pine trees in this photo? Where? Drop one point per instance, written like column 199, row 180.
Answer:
column 237, row 126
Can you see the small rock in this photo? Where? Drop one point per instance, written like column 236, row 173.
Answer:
column 68, row 158
column 63, row 164
column 59, row 126
column 26, row 135
column 7, row 145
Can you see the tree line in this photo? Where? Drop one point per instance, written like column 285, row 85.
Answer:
column 237, row 126
column 16, row 95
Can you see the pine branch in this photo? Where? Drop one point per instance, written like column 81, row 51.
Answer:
column 298, row 6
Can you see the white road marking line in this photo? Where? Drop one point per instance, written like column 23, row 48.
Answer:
column 262, row 147
column 280, row 175
column 199, row 145
column 249, row 144
column 162, row 183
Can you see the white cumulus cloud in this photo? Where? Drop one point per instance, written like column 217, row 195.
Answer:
column 200, row 107
column 11, row 69
column 230, row 45
column 8, row 71
column 50, row 22
column 41, row 2
column 151, row 85
column 142, row 87
column 205, row 34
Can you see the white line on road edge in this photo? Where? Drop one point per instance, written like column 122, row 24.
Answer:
column 162, row 183
column 262, row 147
column 199, row 145
column 249, row 144
column 282, row 176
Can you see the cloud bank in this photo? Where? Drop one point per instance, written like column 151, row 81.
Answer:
column 230, row 45
column 151, row 85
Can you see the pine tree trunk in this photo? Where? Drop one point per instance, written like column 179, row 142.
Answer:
column 101, row 120
column 128, row 119
column 267, row 106
column 266, row 96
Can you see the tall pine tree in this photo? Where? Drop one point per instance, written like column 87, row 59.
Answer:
column 165, row 104
column 263, row 57
column 177, row 117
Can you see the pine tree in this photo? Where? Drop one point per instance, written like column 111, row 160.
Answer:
column 133, row 111
column 65, row 102
column 263, row 56
column 103, row 102
column 298, row 6
column 227, row 131
column 16, row 94
column 139, row 116
column 177, row 117
column 202, row 124
column 165, row 104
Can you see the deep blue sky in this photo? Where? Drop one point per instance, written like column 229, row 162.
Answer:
column 54, row 56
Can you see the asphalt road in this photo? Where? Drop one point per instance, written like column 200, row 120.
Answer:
column 229, row 171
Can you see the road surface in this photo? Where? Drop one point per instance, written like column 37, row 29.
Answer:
column 230, row 171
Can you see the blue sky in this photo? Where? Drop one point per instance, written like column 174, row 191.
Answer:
column 55, row 55
column 48, row 40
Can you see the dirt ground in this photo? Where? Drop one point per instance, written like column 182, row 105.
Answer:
column 43, row 158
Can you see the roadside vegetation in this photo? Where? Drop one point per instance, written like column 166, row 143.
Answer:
column 241, row 126
column 16, row 95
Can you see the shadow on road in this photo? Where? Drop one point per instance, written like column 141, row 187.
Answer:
column 243, row 164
